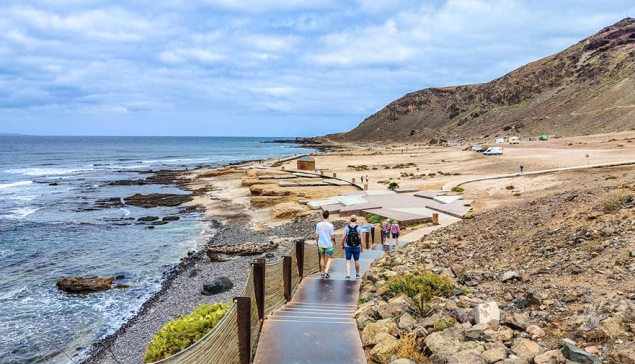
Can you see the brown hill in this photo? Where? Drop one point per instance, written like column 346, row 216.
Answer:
column 588, row 88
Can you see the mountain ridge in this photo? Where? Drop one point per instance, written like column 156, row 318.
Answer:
column 587, row 88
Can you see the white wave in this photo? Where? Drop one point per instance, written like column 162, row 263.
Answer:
column 15, row 184
column 126, row 212
column 20, row 213
column 38, row 172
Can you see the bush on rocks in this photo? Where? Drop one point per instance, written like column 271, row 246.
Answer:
column 184, row 332
column 420, row 288
column 614, row 200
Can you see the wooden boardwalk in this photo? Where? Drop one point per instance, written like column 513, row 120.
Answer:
column 317, row 326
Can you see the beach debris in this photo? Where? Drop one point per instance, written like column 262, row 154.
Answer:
column 84, row 284
column 240, row 249
column 217, row 286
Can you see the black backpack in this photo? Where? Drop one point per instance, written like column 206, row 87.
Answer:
column 353, row 238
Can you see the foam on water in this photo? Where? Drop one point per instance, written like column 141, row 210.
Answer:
column 40, row 172
column 20, row 213
column 15, row 184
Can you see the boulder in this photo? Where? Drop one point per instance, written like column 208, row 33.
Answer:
column 535, row 331
column 511, row 276
column 505, row 333
column 382, row 326
column 446, row 343
column 494, row 353
column 574, row 353
column 461, row 358
column 217, row 286
column 218, row 257
column 458, row 270
column 289, row 210
column 171, row 218
column 406, row 320
column 403, row 361
column 84, row 284
column 385, row 349
column 157, row 200
column 241, row 249
column 625, row 357
column 526, row 349
column 148, row 218
column 517, row 321
column 486, row 312
column 533, row 298
column 550, row 357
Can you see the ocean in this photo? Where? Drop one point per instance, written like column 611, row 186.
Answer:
column 50, row 228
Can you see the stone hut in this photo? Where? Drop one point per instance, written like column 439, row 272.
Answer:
column 306, row 164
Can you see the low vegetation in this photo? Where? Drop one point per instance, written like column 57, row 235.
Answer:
column 457, row 189
column 183, row 332
column 373, row 219
column 510, row 187
column 421, row 288
column 412, row 348
column 614, row 200
column 443, row 324
column 362, row 167
column 393, row 186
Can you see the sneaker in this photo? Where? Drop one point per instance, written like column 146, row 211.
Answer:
column 348, row 277
column 327, row 276
column 322, row 275
column 358, row 276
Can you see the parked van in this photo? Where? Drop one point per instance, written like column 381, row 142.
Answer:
column 514, row 140
column 494, row 151
column 499, row 141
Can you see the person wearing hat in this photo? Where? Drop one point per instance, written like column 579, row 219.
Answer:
column 352, row 242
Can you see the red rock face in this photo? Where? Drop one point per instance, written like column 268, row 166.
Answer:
column 570, row 93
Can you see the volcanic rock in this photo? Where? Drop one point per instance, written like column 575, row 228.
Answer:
column 157, row 200
column 240, row 249
column 217, row 286
column 84, row 284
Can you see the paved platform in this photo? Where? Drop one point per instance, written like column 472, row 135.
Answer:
column 317, row 325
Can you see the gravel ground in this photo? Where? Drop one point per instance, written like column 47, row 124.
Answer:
column 181, row 290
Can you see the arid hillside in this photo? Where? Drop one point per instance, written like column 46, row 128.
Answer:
column 586, row 89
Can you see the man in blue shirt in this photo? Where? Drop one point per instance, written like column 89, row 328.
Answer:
column 352, row 244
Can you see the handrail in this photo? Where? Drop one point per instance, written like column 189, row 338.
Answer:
column 223, row 344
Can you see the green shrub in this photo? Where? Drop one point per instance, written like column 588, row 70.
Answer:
column 425, row 285
column 183, row 332
column 393, row 185
column 443, row 324
column 510, row 187
column 276, row 164
column 373, row 219
column 610, row 177
column 457, row 189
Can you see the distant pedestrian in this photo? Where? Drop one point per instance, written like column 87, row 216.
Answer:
column 521, row 168
column 324, row 236
column 394, row 229
column 352, row 244
column 362, row 179
column 367, row 180
column 385, row 232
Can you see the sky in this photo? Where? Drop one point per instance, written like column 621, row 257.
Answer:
column 260, row 67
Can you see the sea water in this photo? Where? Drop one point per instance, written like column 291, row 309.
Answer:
column 49, row 228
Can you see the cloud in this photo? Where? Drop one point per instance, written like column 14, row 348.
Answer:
column 271, row 67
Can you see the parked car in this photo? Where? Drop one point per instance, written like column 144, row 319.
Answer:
column 478, row 149
column 499, row 141
column 543, row 138
column 469, row 147
column 527, row 139
column 514, row 140
column 493, row 151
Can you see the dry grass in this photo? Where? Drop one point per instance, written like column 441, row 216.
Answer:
column 412, row 348
column 614, row 200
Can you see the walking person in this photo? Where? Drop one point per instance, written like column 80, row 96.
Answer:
column 362, row 179
column 394, row 229
column 385, row 232
column 521, row 168
column 352, row 244
column 324, row 236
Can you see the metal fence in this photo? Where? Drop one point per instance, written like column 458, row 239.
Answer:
column 269, row 286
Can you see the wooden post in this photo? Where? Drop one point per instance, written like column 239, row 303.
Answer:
column 435, row 218
column 372, row 234
column 321, row 172
column 286, row 277
column 353, row 180
column 243, row 320
column 365, row 186
column 259, row 286
column 299, row 256
column 283, row 168
column 334, row 175
column 367, row 239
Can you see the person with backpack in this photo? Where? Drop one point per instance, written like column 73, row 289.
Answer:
column 394, row 229
column 324, row 236
column 352, row 244
column 385, row 232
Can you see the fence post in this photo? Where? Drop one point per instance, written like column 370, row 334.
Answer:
column 372, row 234
column 243, row 320
column 334, row 175
column 299, row 256
column 367, row 239
column 286, row 277
column 259, row 286
column 353, row 180
column 435, row 218
column 365, row 186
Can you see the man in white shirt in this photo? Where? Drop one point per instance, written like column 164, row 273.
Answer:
column 324, row 236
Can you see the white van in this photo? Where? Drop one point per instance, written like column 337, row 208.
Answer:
column 494, row 151
column 514, row 140
column 499, row 141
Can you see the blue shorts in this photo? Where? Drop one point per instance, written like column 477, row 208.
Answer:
column 352, row 252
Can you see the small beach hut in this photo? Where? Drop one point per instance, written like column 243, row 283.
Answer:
column 306, row 164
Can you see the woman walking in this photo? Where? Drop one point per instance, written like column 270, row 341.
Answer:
column 394, row 229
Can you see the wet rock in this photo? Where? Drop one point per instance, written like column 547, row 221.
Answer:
column 241, row 249
column 148, row 218
column 217, row 286
column 84, row 284
column 194, row 273
column 157, row 200
column 121, row 285
column 108, row 203
column 171, row 218
column 486, row 312
column 574, row 353
column 159, row 223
